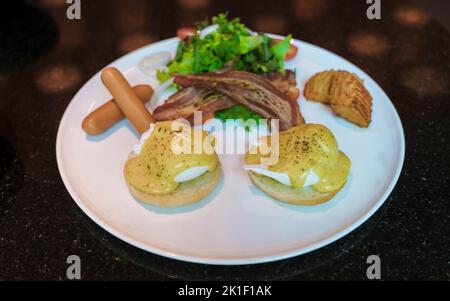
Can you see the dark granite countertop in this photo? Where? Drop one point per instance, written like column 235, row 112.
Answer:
column 45, row 59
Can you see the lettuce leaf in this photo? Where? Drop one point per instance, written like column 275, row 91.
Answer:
column 280, row 50
column 231, row 42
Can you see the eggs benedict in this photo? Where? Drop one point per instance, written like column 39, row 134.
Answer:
column 310, row 169
column 159, row 175
column 173, row 165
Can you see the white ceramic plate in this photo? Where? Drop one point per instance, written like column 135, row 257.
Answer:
column 236, row 224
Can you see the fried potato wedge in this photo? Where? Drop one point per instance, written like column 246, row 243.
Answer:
column 350, row 99
column 318, row 87
column 346, row 94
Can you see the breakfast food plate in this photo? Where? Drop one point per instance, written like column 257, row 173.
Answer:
column 236, row 223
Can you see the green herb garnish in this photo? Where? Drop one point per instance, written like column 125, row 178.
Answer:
column 238, row 112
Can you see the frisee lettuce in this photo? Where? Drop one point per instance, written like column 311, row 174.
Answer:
column 231, row 43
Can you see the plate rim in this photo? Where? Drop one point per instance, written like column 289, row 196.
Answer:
column 243, row 260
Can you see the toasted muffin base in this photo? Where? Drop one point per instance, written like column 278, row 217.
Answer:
column 307, row 196
column 187, row 192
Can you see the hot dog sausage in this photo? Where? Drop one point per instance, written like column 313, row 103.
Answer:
column 108, row 114
column 127, row 100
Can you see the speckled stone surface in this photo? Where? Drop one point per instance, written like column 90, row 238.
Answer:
column 42, row 66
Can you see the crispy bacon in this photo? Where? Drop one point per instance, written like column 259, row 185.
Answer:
column 184, row 103
column 251, row 90
column 285, row 82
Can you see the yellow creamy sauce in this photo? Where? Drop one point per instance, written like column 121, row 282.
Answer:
column 154, row 170
column 307, row 148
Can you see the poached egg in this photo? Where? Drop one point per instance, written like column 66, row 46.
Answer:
column 157, row 169
column 308, row 156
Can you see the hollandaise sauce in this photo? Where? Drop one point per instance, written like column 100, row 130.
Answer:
column 154, row 170
column 309, row 148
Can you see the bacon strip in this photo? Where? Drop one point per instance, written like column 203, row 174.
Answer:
column 285, row 82
column 184, row 103
column 251, row 90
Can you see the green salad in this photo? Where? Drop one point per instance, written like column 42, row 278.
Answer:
column 232, row 45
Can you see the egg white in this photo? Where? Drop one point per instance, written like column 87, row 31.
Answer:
column 190, row 174
column 283, row 178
